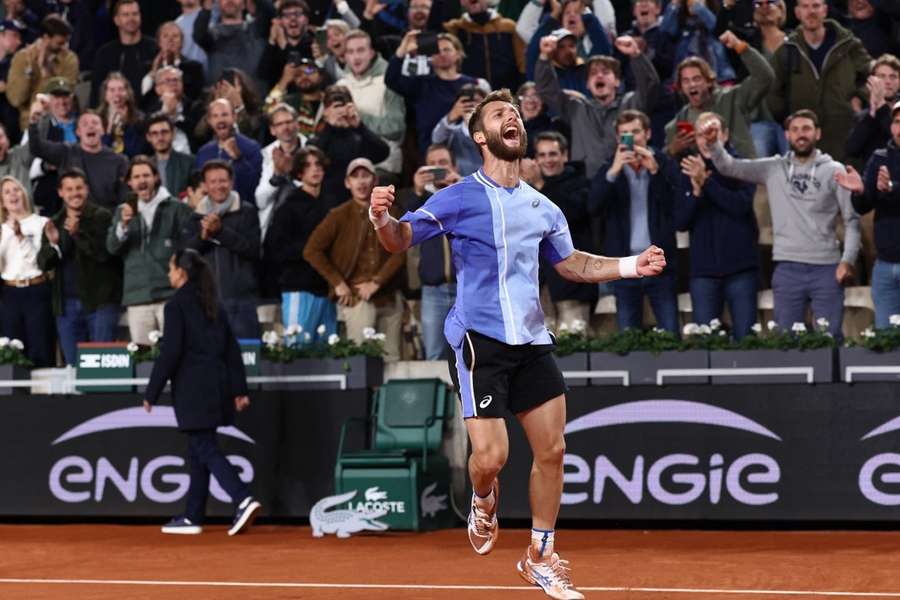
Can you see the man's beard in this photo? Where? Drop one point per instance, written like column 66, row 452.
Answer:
column 498, row 148
column 804, row 152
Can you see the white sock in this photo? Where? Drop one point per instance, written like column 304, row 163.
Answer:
column 542, row 542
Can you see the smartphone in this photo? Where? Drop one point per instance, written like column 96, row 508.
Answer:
column 439, row 173
column 426, row 44
column 294, row 58
column 131, row 200
column 628, row 140
column 322, row 39
column 685, row 127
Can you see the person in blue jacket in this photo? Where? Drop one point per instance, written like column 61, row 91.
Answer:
column 200, row 356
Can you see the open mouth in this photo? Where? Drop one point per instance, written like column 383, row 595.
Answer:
column 511, row 134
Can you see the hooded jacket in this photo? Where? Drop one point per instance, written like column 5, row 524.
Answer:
column 593, row 125
column 805, row 203
column 494, row 51
column 233, row 253
column 798, row 84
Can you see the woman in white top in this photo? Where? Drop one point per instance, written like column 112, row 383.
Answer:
column 26, row 294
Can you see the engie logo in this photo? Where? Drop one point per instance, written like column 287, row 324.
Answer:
column 879, row 476
column 161, row 479
column 748, row 479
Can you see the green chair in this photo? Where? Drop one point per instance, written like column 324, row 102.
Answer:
column 402, row 471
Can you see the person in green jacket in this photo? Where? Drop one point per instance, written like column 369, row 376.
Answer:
column 696, row 81
column 146, row 232
column 87, row 286
column 822, row 67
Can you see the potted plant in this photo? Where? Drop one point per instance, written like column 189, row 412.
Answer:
column 799, row 347
column 143, row 357
column 13, row 364
column 572, row 346
column 642, row 354
column 296, row 354
column 874, row 347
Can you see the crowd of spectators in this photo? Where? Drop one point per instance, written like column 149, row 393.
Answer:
column 255, row 130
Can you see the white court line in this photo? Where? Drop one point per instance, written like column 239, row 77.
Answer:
column 399, row 586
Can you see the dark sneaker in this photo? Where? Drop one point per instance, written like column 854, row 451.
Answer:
column 182, row 526
column 246, row 513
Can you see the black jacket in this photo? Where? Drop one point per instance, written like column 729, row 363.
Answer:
column 292, row 223
column 613, row 201
column 885, row 204
column 569, row 191
column 132, row 61
column 341, row 145
column 234, row 252
column 202, row 360
column 870, row 133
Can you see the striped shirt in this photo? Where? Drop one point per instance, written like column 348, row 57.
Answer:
column 496, row 237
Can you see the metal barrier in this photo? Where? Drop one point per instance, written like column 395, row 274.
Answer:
column 810, row 372
column 67, row 386
column 861, row 370
column 610, row 374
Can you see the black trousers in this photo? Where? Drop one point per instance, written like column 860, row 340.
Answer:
column 206, row 458
column 28, row 316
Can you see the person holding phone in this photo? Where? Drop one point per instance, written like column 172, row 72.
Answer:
column 453, row 129
column 634, row 193
column 200, row 356
column 290, row 40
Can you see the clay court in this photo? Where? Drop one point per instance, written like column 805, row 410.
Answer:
column 44, row 562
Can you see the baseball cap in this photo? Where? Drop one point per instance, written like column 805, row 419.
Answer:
column 562, row 33
column 58, row 86
column 12, row 25
column 356, row 163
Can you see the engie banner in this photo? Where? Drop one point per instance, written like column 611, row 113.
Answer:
column 103, row 455
column 748, row 452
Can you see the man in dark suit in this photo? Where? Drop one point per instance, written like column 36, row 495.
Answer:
column 175, row 167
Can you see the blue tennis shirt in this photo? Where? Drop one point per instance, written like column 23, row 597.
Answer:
column 496, row 236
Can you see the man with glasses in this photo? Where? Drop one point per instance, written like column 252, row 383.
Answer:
column 289, row 40
column 174, row 167
column 277, row 159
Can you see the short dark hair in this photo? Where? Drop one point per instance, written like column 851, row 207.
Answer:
column 159, row 117
column 120, row 3
column 803, row 113
column 94, row 112
column 55, row 25
column 301, row 4
column 552, row 136
column 476, row 121
column 72, row 173
column 214, row 165
column 441, row 146
column 299, row 164
column 336, row 93
column 141, row 160
column 607, row 62
column 627, row 116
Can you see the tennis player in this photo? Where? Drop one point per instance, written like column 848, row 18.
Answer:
column 503, row 361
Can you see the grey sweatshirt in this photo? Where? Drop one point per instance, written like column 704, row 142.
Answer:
column 805, row 201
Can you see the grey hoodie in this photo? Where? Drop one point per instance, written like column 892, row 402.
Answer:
column 805, row 201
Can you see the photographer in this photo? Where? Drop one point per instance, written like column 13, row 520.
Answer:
column 453, row 130
column 344, row 138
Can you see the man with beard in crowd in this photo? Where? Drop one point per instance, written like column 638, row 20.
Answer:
column 228, row 144
column 308, row 84
column 289, row 40
column 805, row 201
column 500, row 227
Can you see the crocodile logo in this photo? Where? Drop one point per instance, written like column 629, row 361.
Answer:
column 431, row 505
column 373, row 494
column 343, row 522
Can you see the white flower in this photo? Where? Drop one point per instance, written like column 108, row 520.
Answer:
column 704, row 330
column 895, row 320
column 658, row 330
column 722, row 332
column 564, row 327
column 4, row 342
column 270, row 338
column 321, row 329
column 579, row 326
column 868, row 333
column 154, row 336
column 757, row 328
column 380, row 337
column 292, row 330
column 798, row 328
column 17, row 344
column 368, row 333
column 307, row 337
column 715, row 324
column 822, row 323
column 691, row 329
column 772, row 325
column 333, row 339
column 132, row 347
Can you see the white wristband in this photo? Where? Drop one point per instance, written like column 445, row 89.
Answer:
column 379, row 222
column 628, row 267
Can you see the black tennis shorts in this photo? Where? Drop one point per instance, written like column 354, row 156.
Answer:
column 494, row 378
